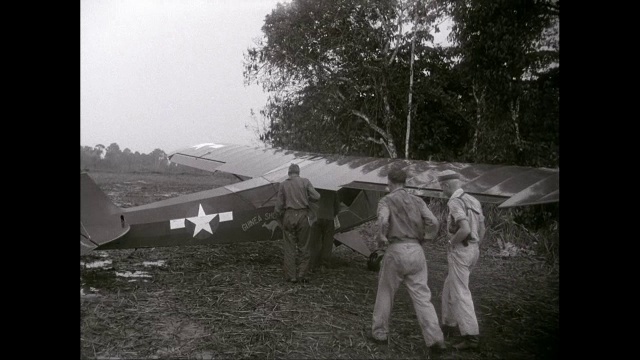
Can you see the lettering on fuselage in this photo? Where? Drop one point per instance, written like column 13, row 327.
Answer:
column 249, row 224
column 256, row 220
column 270, row 215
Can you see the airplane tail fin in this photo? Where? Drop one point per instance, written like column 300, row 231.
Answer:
column 101, row 221
column 353, row 239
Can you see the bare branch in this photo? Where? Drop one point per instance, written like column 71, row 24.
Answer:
column 475, row 95
column 381, row 142
column 368, row 121
column 395, row 51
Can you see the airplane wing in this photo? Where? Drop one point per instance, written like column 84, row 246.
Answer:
column 244, row 211
column 506, row 185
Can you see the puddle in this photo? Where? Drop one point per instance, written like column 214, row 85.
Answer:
column 154, row 263
column 96, row 264
column 137, row 274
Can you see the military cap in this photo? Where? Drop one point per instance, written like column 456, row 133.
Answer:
column 448, row 175
column 398, row 176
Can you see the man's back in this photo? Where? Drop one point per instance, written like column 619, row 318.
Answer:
column 408, row 216
column 292, row 204
column 295, row 193
column 464, row 206
column 403, row 219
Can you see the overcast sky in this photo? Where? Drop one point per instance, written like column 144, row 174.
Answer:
column 168, row 73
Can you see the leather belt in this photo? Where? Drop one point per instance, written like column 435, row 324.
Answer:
column 403, row 241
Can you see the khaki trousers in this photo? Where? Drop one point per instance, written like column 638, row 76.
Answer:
column 405, row 262
column 296, row 243
column 457, row 304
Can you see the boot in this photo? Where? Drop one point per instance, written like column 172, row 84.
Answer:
column 468, row 342
column 449, row 331
column 377, row 340
column 438, row 347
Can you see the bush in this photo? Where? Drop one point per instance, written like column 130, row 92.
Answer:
column 530, row 228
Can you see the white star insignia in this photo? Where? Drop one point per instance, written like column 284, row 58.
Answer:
column 202, row 221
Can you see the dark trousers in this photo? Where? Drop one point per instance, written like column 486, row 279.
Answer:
column 296, row 244
column 321, row 242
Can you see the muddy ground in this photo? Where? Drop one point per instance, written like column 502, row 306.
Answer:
column 230, row 301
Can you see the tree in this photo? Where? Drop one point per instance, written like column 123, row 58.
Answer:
column 158, row 159
column 334, row 68
column 127, row 159
column 508, row 58
column 88, row 157
column 100, row 151
column 352, row 70
column 113, row 155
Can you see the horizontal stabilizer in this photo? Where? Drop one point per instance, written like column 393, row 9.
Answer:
column 354, row 240
column 100, row 220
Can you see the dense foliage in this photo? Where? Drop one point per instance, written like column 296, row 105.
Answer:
column 356, row 76
column 339, row 75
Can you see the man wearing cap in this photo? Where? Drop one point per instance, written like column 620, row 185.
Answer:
column 465, row 228
column 292, row 206
column 404, row 223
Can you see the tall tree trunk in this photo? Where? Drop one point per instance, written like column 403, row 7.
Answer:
column 406, row 143
column 515, row 112
column 479, row 113
column 388, row 119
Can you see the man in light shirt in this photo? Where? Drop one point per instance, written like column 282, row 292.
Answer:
column 465, row 229
column 405, row 223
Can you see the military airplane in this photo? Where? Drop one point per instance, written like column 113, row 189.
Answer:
column 244, row 211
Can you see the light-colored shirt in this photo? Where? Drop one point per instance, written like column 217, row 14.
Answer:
column 408, row 216
column 474, row 215
column 295, row 193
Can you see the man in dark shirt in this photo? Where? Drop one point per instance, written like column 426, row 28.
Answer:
column 323, row 230
column 404, row 223
column 292, row 204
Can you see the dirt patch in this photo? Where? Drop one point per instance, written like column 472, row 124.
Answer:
column 230, row 301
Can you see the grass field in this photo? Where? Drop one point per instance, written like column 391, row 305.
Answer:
column 230, row 301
